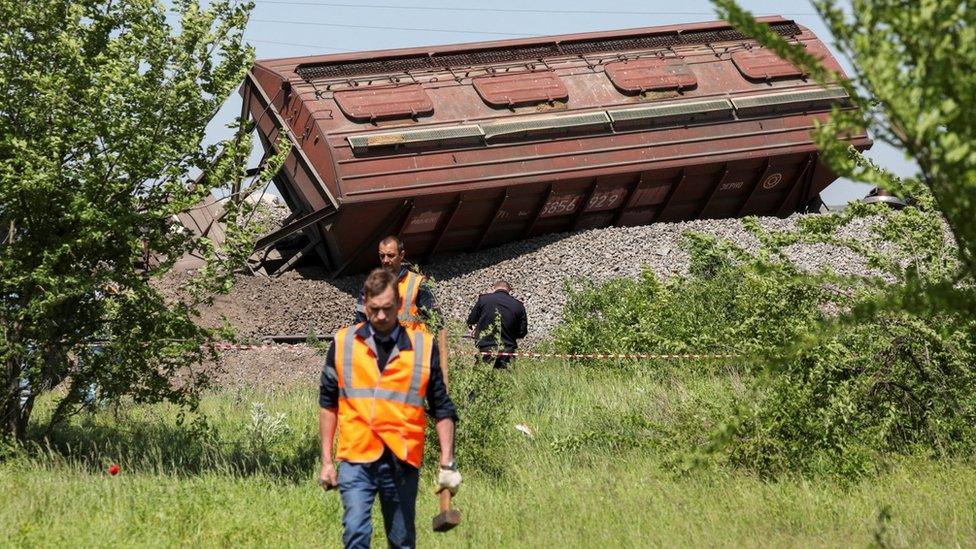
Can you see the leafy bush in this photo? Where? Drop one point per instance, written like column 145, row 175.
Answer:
column 724, row 305
column 838, row 380
column 483, row 398
column 895, row 386
column 892, row 373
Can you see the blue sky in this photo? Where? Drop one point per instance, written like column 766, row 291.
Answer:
column 288, row 28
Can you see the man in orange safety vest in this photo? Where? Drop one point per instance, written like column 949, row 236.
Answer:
column 377, row 377
column 417, row 307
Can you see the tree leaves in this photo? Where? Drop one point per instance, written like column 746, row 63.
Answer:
column 912, row 74
column 895, row 369
column 105, row 111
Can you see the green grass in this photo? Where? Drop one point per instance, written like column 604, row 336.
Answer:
column 225, row 483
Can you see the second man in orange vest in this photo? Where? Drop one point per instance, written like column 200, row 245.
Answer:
column 417, row 308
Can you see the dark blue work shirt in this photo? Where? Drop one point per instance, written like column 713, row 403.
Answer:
column 439, row 404
column 509, row 312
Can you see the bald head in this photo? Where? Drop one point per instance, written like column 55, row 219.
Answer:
column 502, row 285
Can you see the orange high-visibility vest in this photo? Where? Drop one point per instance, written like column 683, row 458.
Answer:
column 377, row 410
column 409, row 314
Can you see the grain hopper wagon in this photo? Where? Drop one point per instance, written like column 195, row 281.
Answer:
column 455, row 148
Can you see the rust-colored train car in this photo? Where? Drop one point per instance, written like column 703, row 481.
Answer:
column 459, row 147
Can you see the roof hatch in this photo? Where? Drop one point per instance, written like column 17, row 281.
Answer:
column 639, row 75
column 371, row 104
column 519, row 89
column 764, row 64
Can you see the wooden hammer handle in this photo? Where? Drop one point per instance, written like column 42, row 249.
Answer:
column 442, row 348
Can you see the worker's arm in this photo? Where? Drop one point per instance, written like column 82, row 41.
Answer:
column 445, row 435
column 523, row 324
column 475, row 315
column 448, row 477
column 439, row 403
column 442, row 408
column 327, row 428
column 328, row 418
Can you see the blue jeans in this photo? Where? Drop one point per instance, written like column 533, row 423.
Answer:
column 396, row 484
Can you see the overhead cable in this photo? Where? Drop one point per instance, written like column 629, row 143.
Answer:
column 320, row 24
column 312, row 46
column 496, row 10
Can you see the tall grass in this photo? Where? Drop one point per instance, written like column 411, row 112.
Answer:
column 204, row 486
column 867, row 439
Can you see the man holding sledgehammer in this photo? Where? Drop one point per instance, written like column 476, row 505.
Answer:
column 376, row 378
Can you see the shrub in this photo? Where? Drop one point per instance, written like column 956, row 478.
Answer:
column 838, row 381
column 723, row 305
column 895, row 386
column 483, row 399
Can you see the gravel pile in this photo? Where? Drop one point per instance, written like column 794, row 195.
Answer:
column 269, row 370
column 536, row 268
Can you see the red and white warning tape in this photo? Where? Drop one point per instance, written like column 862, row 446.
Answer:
column 224, row 346
column 228, row 346
column 605, row 356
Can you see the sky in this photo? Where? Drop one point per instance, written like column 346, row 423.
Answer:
column 289, row 28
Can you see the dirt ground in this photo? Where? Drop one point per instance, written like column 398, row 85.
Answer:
column 280, row 368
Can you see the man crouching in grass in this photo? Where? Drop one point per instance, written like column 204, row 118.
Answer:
column 376, row 378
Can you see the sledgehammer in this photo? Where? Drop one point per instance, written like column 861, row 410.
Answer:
column 448, row 518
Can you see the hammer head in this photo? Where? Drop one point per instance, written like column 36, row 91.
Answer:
column 446, row 520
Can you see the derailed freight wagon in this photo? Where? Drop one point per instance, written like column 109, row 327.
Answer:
column 455, row 148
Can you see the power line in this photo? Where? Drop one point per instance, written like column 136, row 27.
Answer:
column 319, row 24
column 497, row 10
column 313, row 46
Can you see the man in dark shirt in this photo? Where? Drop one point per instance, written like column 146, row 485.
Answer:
column 498, row 320
column 372, row 391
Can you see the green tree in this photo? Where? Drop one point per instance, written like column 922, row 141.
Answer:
column 913, row 80
column 102, row 123
column 893, row 371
